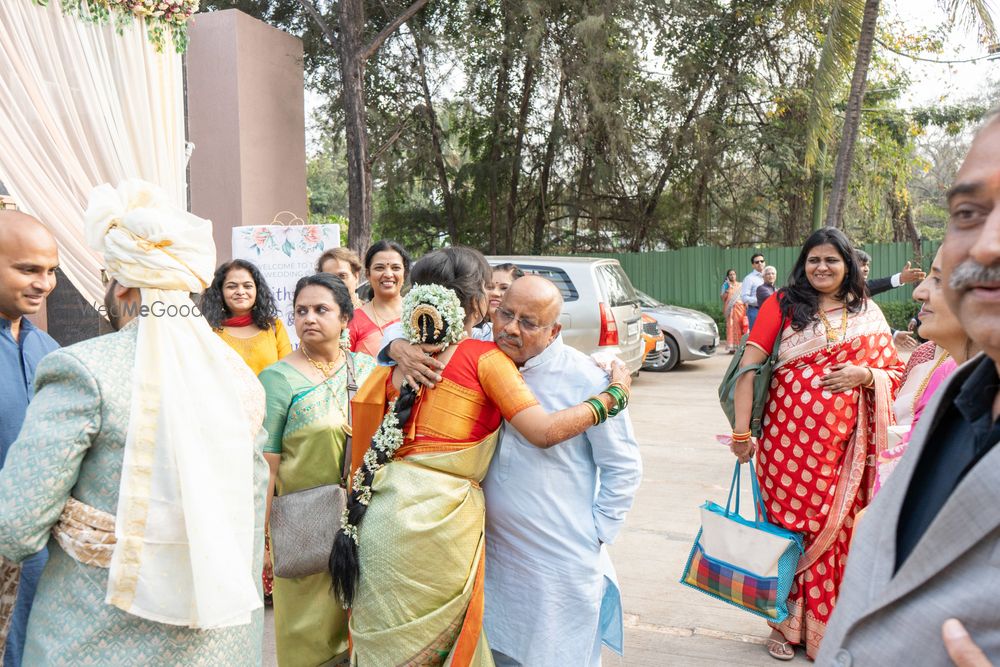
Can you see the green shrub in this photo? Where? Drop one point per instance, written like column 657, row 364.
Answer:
column 898, row 315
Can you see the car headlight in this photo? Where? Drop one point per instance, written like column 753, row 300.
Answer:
column 705, row 326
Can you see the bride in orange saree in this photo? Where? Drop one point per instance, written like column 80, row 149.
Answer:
column 412, row 571
column 825, row 422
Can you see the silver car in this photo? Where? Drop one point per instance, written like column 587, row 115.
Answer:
column 600, row 309
column 688, row 334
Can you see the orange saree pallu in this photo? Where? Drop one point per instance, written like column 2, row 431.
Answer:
column 422, row 541
column 816, row 457
column 735, row 312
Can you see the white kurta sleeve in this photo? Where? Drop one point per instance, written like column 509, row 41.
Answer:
column 391, row 333
column 616, row 454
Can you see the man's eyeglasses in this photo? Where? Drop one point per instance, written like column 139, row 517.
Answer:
column 527, row 326
column 759, row 261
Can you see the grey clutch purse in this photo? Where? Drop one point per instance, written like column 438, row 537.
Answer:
column 304, row 523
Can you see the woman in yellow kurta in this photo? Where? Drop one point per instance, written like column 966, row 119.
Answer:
column 241, row 309
column 413, row 571
column 306, row 425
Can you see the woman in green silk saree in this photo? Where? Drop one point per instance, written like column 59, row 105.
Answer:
column 307, row 430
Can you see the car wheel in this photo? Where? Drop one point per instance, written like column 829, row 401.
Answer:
column 669, row 359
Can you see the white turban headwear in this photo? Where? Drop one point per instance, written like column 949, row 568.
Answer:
column 185, row 517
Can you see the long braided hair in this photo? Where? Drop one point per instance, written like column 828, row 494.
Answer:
column 465, row 272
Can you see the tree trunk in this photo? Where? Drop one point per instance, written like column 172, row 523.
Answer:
column 497, row 124
column 527, row 87
column 582, row 184
column 693, row 233
column 903, row 227
column 555, row 132
column 852, row 116
column 451, row 217
column 359, row 177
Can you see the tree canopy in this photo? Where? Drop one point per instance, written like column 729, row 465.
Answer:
column 575, row 126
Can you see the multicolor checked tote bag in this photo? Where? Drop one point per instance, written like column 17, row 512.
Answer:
column 749, row 564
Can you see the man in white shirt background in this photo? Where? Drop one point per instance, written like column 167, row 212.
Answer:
column 753, row 280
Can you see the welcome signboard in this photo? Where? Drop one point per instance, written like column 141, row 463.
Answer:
column 284, row 253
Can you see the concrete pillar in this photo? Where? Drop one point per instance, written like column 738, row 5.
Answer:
column 246, row 118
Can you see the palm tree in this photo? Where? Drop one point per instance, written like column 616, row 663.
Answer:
column 853, row 22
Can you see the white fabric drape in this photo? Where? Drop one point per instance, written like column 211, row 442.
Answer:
column 82, row 105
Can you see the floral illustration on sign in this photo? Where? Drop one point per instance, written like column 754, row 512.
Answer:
column 312, row 238
column 258, row 238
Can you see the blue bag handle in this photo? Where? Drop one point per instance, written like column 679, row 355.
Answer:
column 760, row 512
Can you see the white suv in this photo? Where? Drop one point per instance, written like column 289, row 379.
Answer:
column 600, row 310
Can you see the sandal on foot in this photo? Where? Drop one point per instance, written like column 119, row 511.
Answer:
column 776, row 649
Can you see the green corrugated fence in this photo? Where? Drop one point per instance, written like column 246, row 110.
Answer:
column 694, row 276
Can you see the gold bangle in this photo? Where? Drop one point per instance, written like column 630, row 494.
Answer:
column 871, row 380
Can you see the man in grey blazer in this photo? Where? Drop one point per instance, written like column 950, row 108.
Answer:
column 928, row 549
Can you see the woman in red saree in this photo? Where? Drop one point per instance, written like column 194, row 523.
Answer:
column 825, row 422
column 387, row 267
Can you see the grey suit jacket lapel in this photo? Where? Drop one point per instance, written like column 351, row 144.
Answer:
column 963, row 520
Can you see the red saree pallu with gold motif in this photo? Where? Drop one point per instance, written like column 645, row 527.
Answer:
column 816, row 457
column 422, row 540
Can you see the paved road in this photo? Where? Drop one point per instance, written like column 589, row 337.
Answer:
column 676, row 417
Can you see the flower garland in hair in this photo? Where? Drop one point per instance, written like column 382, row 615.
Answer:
column 427, row 306
column 386, row 441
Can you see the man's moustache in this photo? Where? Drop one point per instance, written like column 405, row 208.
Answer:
column 971, row 272
column 516, row 342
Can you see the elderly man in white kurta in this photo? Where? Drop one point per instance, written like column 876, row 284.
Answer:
column 551, row 594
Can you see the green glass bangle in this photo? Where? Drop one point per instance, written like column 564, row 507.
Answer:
column 619, row 394
column 598, row 405
column 601, row 408
column 620, row 398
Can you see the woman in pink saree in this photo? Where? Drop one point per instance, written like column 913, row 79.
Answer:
column 938, row 324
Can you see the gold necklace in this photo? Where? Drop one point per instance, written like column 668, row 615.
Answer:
column 327, row 368
column 927, row 380
column 833, row 335
column 379, row 322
